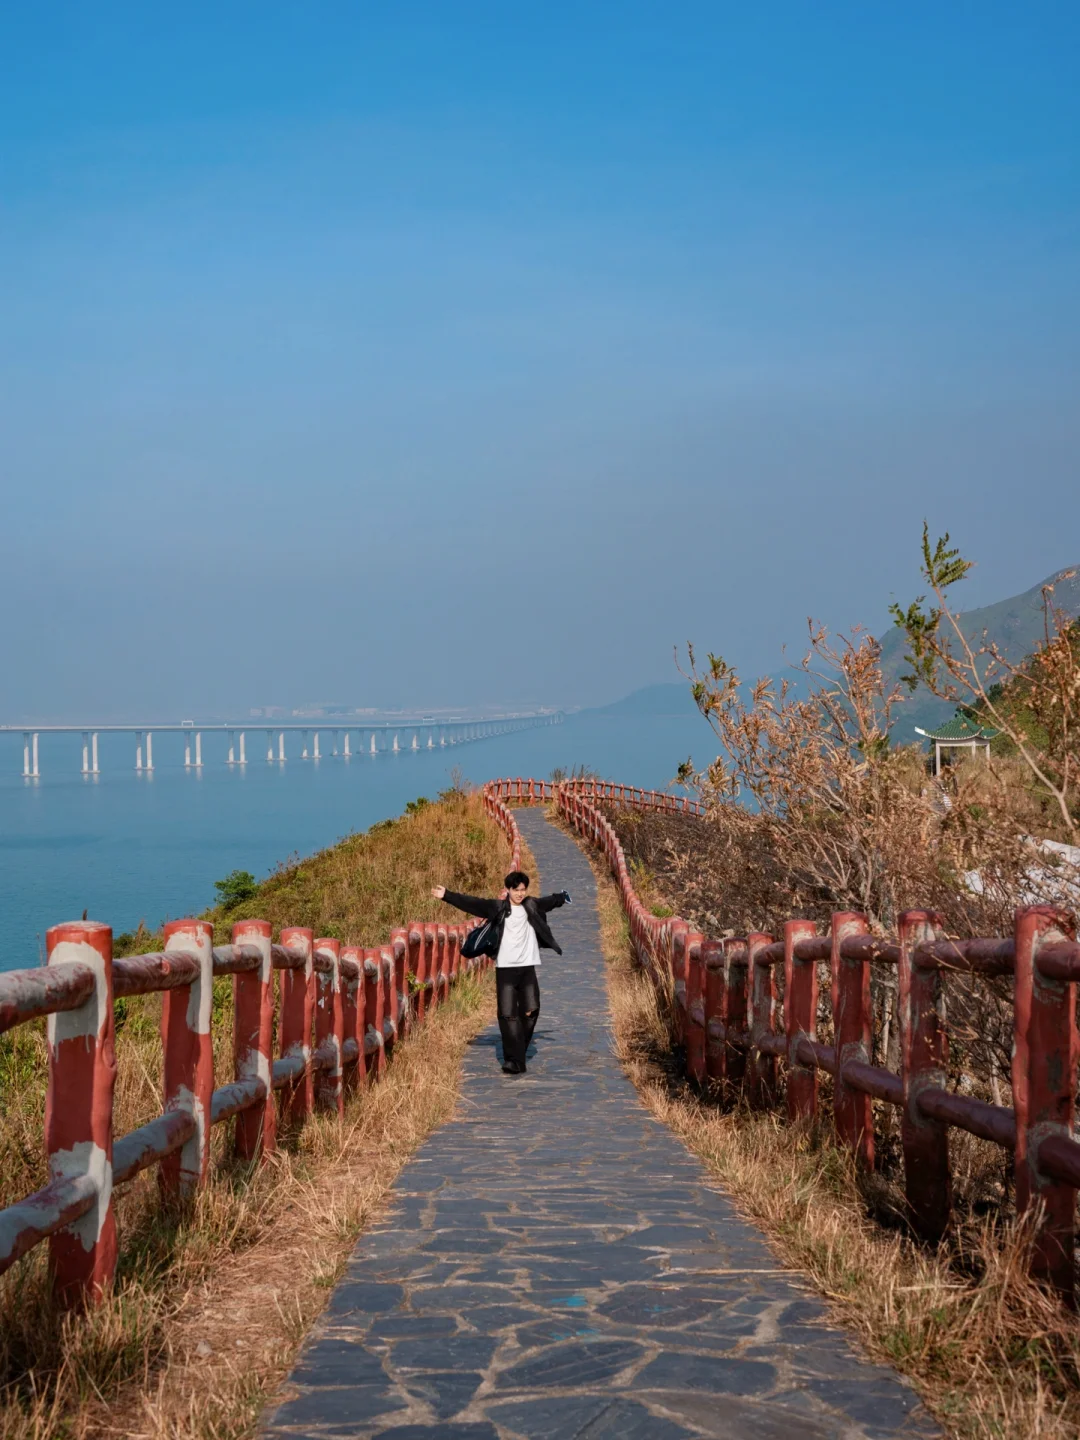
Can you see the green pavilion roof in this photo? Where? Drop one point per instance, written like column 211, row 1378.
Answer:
column 959, row 729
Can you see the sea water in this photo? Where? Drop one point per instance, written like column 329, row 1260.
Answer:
column 129, row 847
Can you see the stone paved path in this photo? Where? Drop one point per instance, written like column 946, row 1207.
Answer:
column 556, row 1264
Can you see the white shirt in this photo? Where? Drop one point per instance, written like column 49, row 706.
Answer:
column 519, row 945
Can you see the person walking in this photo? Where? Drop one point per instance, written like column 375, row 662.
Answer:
column 522, row 931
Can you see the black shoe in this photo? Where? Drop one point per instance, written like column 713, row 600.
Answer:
column 511, row 1067
column 522, row 1069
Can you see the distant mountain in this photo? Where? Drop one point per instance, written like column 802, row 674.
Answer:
column 1016, row 625
column 652, row 700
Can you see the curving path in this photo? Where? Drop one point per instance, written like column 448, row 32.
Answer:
column 556, row 1264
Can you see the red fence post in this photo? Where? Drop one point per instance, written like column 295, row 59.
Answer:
column 416, row 970
column 762, row 1068
column 352, row 1010
column 800, row 1019
column 253, row 1040
column 676, row 948
column 924, row 1043
column 736, row 1023
column 712, row 959
column 431, row 953
column 399, row 948
column 329, row 1028
column 695, row 1008
column 189, row 1057
column 295, row 1022
column 390, row 999
column 853, row 1114
column 376, row 1013
column 1044, row 1083
column 443, row 952
column 79, row 1113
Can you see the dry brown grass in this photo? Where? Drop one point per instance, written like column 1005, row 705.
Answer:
column 209, row 1307
column 995, row 1357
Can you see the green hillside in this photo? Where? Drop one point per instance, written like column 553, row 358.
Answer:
column 1015, row 624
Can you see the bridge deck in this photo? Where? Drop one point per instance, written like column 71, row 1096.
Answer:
column 556, row 1264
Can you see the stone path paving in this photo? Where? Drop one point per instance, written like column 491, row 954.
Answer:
column 556, row 1264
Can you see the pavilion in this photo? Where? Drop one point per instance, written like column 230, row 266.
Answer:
column 959, row 733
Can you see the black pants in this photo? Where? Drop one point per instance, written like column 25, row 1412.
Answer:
column 518, row 992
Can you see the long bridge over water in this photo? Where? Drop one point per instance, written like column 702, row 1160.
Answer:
column 369, row 738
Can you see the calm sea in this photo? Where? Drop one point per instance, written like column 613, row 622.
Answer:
column 128, row 847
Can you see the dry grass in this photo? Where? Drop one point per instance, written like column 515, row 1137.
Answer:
column 209, row 1306
column 994, row 1356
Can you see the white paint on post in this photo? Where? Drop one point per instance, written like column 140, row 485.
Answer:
column 86, row 1158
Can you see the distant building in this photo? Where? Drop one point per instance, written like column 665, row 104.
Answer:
column 959, row 733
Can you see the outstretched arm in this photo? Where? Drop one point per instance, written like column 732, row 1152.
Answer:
column 552, row 902
column 471, row 904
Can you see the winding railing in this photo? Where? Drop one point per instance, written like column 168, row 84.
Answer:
column 735, row 1029
column 340, row 1011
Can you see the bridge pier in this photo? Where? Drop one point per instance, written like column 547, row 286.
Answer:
column 304, row 750
column 243, row 757
column 138, row 751
column 149, row 750
column 281, row 747
column 198, row 750
column 315, row 751
column 232, row 748
column 269, row 747
column 86, row 752
column 346, row 744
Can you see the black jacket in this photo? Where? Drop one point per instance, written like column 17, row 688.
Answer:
column 535, row 908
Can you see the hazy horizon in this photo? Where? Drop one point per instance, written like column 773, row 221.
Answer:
column 460, row 356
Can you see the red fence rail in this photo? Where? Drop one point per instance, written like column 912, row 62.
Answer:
column 341, row 1010
column 735, row 1029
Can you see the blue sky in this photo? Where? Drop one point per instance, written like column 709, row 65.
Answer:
column 407, row 354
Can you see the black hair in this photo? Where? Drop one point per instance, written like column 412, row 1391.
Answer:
column 516, row 878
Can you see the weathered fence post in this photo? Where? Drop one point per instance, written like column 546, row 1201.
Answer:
column 352, row 1013
column 295, row 1022
column 416, row 971
column 853, row 1114
column 800, row 1019
column 79, row 1113
column 431, row 960
column 1044, row 1085
column 390, row 999
column 399, row 946
column 374, row 1000
column 761, row 1067
column 695, row 1007
column 188, row 1057
column 443, row 947
column 329, row 1027
column 253, row 1040
column 712, row 959
column 677, row 931
column 736, row 1025
column 924, row 1042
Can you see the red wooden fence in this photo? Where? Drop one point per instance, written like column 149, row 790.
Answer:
column 727, row 1014
column 341, row 1009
